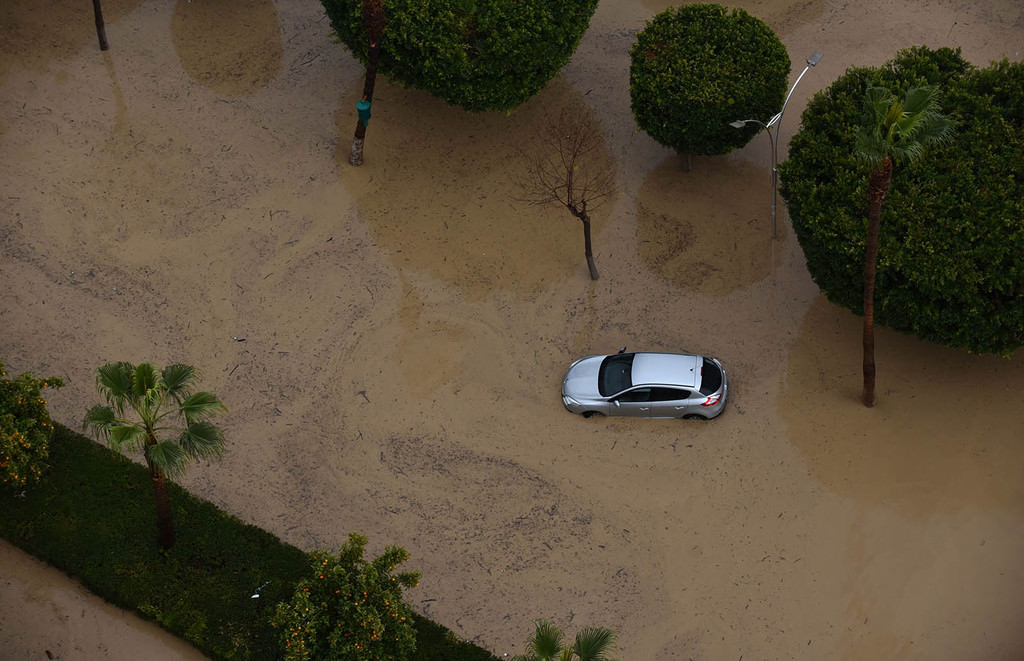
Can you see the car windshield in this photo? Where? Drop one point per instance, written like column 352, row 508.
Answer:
column 710, row 377
column 614, row 375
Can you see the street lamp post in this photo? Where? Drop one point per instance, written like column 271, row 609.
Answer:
column 775, row 122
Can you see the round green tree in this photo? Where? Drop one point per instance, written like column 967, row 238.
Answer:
column 478, row 54
column 25, row 428
column 698, row 67
column 952, row 227
column 349, row 609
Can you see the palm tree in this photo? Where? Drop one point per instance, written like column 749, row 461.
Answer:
column 548, row 644
column 895, row 131
column 159, row 399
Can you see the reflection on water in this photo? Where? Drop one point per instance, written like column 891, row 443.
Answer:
column 231, row 46
column 439, row 191
column 947, row 431
column 34, row 33
column 706, row 230
column 780, row 15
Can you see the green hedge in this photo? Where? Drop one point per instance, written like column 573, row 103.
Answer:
column 696, row 68
column 93, row 517
column 952, row 232
column 478, row 54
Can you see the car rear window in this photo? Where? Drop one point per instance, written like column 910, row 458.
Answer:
column 710, row 377
column 614, row 375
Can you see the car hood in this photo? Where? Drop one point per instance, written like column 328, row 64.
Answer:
column 581, row 379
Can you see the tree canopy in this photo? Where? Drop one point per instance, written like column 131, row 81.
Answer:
column 952, row 227
column 25, row 428
column 695, row 68
column 478, row 54
column 349, row 608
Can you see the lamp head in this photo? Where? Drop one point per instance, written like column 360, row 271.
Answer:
column 738, row 124
column 815, row 58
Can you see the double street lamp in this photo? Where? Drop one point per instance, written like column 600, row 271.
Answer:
column 773, row 139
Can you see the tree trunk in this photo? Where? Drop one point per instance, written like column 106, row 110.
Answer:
column 164, row 520
column 373, row 21
column 589, row 248
column 878, row 186
column 686, row 162
column 101, row 30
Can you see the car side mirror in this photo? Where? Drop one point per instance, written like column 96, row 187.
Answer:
column 616, row 402
column 622, row 350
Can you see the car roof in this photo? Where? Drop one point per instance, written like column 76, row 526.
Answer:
column 666, row 369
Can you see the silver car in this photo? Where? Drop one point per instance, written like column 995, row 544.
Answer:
column 646, row 385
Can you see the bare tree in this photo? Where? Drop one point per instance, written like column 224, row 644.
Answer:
column 569, row 168
column 373, row 22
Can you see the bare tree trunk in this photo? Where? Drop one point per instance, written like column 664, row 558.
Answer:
column 373, row 21
column 589, row 248
column 877, row 188
column 101, row 30
column 686, row 162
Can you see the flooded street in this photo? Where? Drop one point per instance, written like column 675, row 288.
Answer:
column 407, row 324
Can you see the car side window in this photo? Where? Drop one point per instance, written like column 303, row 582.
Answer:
column 669, row 394
column 638, row 395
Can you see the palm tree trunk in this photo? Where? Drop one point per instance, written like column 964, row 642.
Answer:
column 373, row 21
column 164, row 521
column 878, row 186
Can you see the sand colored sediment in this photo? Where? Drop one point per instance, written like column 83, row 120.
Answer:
column 406, row 326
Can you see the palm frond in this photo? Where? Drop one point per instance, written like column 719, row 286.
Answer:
column 114, row 381
column 167, row 457
column 900, row 129
column 201, row 405
column 937, row 129
column 594, row 643
column 920, row 100
column 127, row 434
column 870, row 146
column 877, row 102
column 178, row 378
column 144, row 379
column 546, row 642
column 149, row 391
column 202, row 440
column 99, row 420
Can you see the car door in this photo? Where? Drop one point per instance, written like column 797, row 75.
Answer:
column 635, row 402
column 668, row 402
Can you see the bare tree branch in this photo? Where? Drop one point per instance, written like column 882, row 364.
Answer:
column 568, row 167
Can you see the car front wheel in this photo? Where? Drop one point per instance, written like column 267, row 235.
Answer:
column 592, row 414
column 693, row 416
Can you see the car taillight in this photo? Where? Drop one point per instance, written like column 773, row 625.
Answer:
column 712, row 400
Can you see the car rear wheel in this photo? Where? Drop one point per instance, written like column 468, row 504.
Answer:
column 693, row 416
column 592, row 414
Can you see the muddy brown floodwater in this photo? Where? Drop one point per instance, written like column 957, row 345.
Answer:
column 407, row 324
